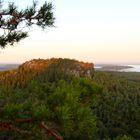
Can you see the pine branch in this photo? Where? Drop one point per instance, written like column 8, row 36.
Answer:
column 12, row 19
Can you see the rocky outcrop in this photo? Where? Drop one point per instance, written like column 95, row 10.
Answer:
column 54, row 67
column 68, row 66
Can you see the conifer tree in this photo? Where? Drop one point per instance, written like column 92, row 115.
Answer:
column 15, row 23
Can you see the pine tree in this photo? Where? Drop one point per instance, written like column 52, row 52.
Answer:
column 13, row 21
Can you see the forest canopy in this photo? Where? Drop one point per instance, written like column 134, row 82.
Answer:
column 73, row 106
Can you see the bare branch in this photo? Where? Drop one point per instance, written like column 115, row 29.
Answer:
column 51, row 132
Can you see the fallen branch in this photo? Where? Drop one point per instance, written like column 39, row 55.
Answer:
column 9, row 126
column 9, row 122
column 24, row 120
column 51, row 132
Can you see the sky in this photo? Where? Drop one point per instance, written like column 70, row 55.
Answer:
column 98, row 31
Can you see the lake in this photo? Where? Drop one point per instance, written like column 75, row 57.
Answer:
column 136, row 68
column 119, row 68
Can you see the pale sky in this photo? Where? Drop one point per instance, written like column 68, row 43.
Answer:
column 98, row 31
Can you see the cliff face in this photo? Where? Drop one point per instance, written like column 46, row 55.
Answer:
column 30, row 69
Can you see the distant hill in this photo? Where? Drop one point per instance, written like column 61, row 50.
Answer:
column 4, row 67
column 53, row 67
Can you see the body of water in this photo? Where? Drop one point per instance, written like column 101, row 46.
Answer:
column 135, row 68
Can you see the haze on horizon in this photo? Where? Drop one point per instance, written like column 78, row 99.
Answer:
column 99, row 31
